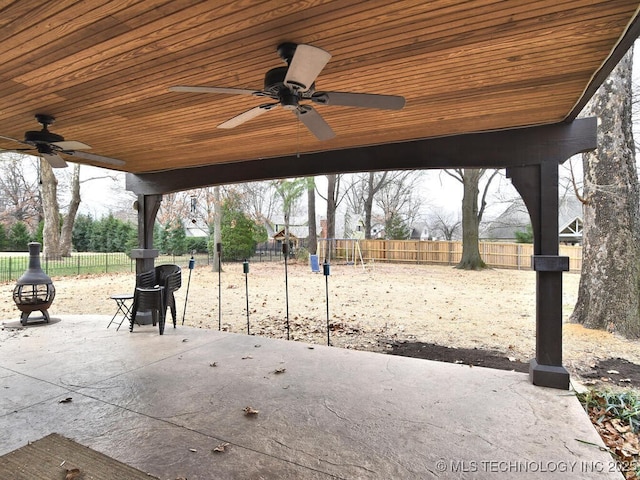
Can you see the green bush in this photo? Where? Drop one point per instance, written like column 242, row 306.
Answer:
column 19, row 237
column 197, row 244
column 108, row 234
column 238, row 232
column 526, row 236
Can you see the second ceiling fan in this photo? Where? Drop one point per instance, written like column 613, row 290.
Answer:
column 293, row 87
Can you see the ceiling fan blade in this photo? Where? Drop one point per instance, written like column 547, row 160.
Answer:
column 96, row 158
column 71, row 145
column 248, row 115
column 315, row 123
column 232, row 91
column 364, row 100
column 12, row 139
column 306, row 64
column 55, row 160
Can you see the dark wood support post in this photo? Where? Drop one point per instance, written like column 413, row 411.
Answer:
column 538, row 186
column 147, row 206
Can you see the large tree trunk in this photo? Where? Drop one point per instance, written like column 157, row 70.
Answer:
column 471, row 259
column 609, row 285
column 51, row 231
column 312, row 239
column 66, row 235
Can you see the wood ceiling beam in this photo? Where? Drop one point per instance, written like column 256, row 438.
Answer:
column 500, row 149
column 623, row 46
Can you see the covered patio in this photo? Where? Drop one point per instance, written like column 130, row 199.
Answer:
column 162, row 404
column 487, row 84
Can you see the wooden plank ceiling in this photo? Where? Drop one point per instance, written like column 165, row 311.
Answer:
column 103, row 68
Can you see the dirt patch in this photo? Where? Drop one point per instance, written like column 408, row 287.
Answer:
column 613, row 371
column 465, row 356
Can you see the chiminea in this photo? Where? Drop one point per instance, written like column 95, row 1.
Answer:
column 34, row 289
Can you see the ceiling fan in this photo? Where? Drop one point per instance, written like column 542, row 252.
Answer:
column 294, row 84
column 50, row 145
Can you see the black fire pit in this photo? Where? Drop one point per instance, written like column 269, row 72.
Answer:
column 34, row 290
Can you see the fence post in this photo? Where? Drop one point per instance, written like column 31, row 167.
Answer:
column 78, row 265
column 106, row 262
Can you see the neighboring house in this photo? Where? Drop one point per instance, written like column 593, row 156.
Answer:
column 516, row 219
column 195, row 227
column 419, row 231
column 298, row 228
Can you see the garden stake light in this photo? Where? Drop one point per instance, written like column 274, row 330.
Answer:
column 192, row 263
column 285, row 251
column 245, row 269
column 325, row 270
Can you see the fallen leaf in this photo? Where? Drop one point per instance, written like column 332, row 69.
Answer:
column 221, row 447
column 66, row 400
column 73, row 474
column 279, row 370
column 250, row 411
column 248, row 357
column 185, row 339
column 213, row 364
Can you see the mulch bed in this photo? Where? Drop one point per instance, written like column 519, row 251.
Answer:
column 465, row 356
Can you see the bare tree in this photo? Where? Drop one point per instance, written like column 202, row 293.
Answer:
column 175, row 207
column 445, row 224
column 397, row 200
column 19, row 190
column 290, row 192
column 364, row 189
column 609, row 291
column 51, row 230
column 69, row 219
column 312, row 239
column 472, row 214
column 217, row 228
column 259, row 200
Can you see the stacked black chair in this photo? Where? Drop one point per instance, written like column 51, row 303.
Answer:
column 169, row 277
column 154, row 293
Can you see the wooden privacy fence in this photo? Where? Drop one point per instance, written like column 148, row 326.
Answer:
column 497, row 255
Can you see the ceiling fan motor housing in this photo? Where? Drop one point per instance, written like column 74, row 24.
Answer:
column 274, row 85
column 42, row 136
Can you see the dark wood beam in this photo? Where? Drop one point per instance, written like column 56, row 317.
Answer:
column 500, row 149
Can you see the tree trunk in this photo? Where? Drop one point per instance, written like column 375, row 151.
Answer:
column 217, row 226
column 331, row 206
column 609, row 284
column 331, row 214
column 368, row 206
column 471, row 259
column 66, row 235
column 51, row 231
column 312, row 239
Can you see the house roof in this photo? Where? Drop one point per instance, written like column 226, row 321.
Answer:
column 516, row 218
column 104, row 69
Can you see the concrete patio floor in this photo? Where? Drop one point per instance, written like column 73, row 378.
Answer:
column 158, row 403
